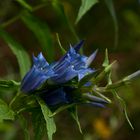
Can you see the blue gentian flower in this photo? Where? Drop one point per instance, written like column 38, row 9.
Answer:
column 65, row 95
column 72, row 64
column 38, row 74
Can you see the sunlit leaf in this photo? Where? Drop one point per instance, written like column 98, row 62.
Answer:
column 5, row 112
column 42, row 33
column 84, row 8
column 50, row 124
column 111, row 9
column 22, row 56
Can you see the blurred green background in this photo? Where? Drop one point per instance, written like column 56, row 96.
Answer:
column 107, row 24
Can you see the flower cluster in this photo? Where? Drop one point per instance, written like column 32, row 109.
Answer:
column 54, row 82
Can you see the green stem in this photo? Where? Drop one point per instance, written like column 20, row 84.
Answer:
column 12, row 20
column 14, row 99
column 17, row 17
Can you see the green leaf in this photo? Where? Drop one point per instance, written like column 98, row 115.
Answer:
column 38, row 124
column 111, row 9
column 123, row 105
column 50, row 124
column 5, row 112
column 9, row 84
column 42, row 33
column 73, row 112
column 105, row 72
column 105, row 65
column 84, row 8
column 22, row 56
column 63, row 51
column 24, row 126
column 24, row 4
column 106, row 60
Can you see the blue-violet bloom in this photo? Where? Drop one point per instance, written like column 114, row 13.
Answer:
column 72, row 64
column 38, row 74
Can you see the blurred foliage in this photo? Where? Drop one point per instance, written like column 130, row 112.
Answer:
column 107, row 24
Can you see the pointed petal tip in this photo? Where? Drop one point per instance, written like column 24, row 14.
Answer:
column 79, row 45
column 91, row 57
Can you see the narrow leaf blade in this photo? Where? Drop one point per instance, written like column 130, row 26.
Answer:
column 63, row 51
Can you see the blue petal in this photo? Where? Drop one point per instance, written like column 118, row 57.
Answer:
column 33, row 79
column 97, row 104
column 91, row 58
column 56, row 97
column 38, row 74
column 66, row 75
column 40, row 61
column 79, row 45
column 95, row 99
column 83, row 72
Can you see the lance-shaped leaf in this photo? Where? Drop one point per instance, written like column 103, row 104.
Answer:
column 22, row 56
column 50, row 124
column 5, row 112
column 42, row 33
column 84, row 8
